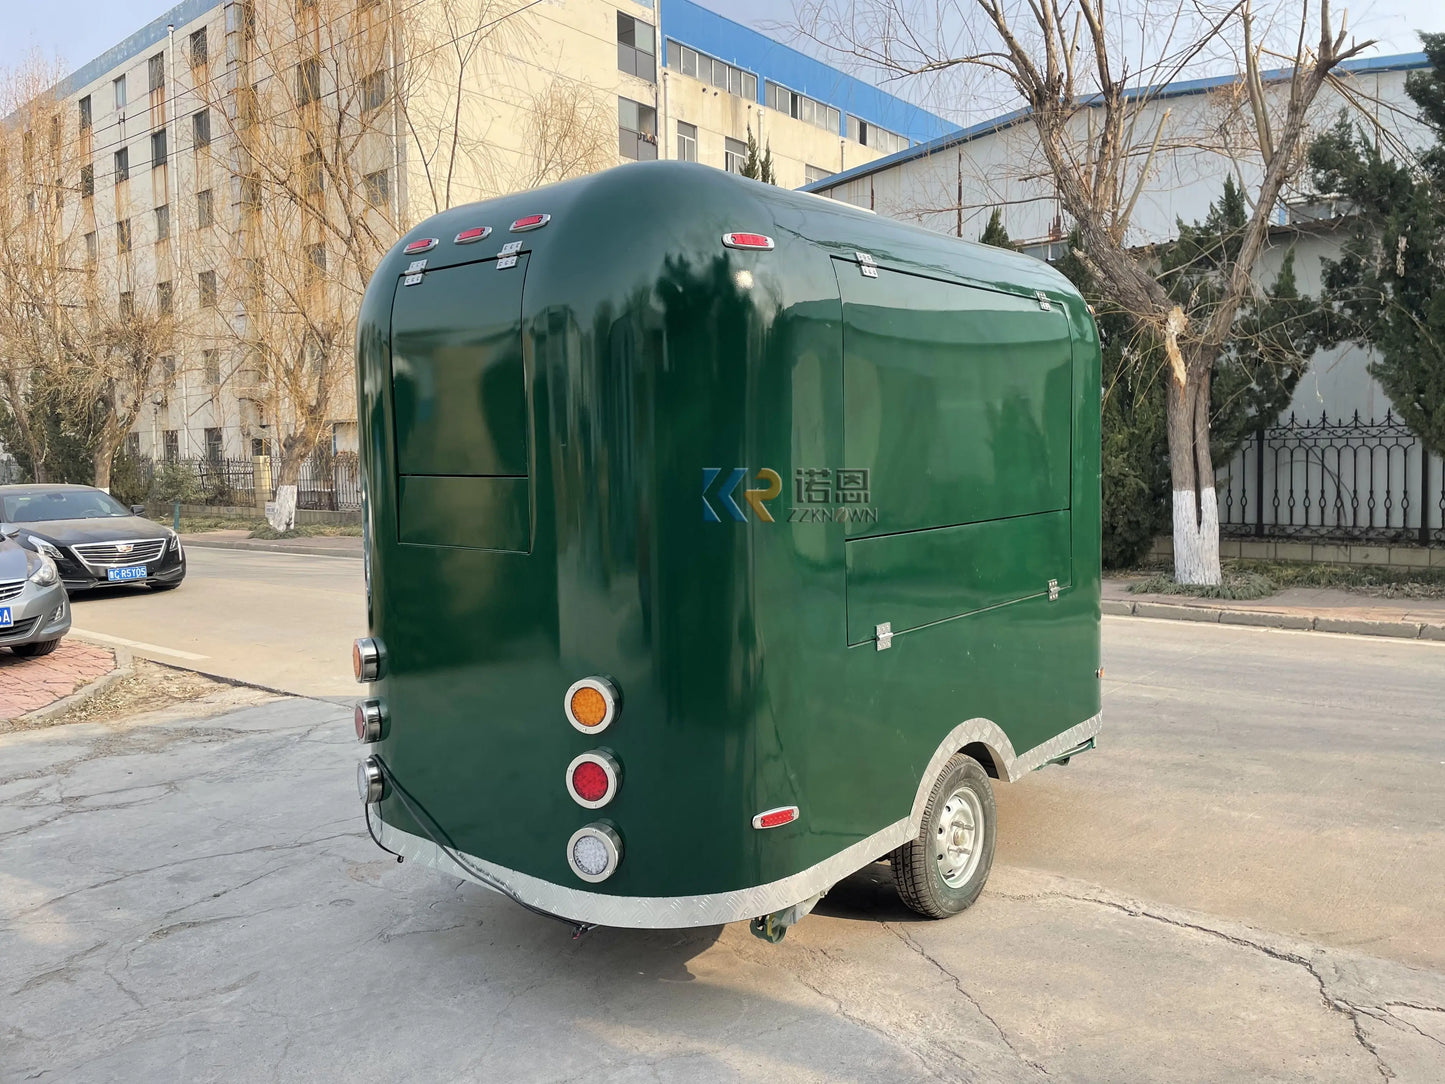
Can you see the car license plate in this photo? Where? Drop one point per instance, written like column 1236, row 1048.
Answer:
column 129, row 572
column 5, row 619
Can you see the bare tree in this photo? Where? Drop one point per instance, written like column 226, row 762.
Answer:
column 1090, row 90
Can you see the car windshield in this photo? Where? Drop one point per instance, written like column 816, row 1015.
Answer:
column 61, row 504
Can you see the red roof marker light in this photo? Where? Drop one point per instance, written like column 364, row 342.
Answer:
column 426, row 244
column 776, row 818
column 476, row 233
column 748, row 240
column 531, row 222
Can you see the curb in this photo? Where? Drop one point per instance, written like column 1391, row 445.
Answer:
column 1399, row 630
column 271, row 547
column 124, row 668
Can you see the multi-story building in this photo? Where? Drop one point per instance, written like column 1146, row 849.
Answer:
column 454, row 100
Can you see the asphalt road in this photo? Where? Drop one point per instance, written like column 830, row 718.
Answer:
column 1246, row 881
column 274, row 619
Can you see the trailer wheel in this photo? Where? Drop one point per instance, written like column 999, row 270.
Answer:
column 942, row 871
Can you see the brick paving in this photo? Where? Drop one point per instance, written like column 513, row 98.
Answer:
column 28, row 684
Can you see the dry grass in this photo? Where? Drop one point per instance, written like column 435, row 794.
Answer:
column 149, row 687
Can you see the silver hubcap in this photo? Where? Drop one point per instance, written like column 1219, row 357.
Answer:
column 959, row 837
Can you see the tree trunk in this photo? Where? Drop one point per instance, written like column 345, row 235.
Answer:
column 105, row 449
column 281, row 514
column 1191, row 469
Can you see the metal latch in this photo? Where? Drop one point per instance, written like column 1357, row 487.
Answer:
column 870, row 271
column 1053, row 590
column 884, row 633
column 1043, row 301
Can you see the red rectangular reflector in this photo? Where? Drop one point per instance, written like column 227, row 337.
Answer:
column 773, row 818
column 476, row 233
column 531, row 222
column 747, row 240
column 426, row 244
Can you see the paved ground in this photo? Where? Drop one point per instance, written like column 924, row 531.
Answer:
column 1244, row 882
column 27, row 685
column 324, row 545
column 280, row 620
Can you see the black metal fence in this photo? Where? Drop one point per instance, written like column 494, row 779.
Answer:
column 1335, row 481
column 327, row 482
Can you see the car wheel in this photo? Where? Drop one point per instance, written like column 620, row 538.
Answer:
column 943, row 870
column 39, row 647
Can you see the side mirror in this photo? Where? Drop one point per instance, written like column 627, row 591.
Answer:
column 9, row 530
column 138, row 509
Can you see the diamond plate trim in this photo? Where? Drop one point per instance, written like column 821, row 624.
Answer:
column 674, row 912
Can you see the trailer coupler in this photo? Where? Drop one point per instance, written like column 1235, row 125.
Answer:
column 772, row 928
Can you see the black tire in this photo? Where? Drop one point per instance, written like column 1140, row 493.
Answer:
column 36, row 649
column 166, row 586
column 918, row 869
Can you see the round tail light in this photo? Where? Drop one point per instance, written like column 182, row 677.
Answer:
column 366, row 659
column 594, row 852
column 370, row 781
column 370, row 718
column 591, row 704
column 593, row 778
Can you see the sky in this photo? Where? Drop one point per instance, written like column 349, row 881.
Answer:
column 76, row 31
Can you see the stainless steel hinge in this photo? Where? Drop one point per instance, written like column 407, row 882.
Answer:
column 884, row 633
column 415, row 266
column 1053, row 590
column 870, row 271
column 412, row 280
column 1043, row 301
column 508, row 255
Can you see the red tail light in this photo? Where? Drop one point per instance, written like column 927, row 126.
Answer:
column 748, row 240
column 593, row 778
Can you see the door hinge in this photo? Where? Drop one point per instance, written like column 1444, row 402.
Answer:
column 1043, row 301
column 412, row 280
column 867, row 266
column 884, row 633
column 1053, row 590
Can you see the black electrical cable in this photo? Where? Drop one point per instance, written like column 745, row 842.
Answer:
column 426, row 824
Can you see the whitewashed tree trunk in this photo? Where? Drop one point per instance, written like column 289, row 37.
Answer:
column 282, row 515
column 1191, row 465
column 1196, row 537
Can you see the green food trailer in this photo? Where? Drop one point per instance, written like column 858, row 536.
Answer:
column 721, row 540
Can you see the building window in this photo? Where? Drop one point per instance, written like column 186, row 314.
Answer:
column 92, row 252
column 308, row 81
column 164, row 298
column 735, row 155
column 378, row 187
column 163, row 222
column 870, row 135
column 117, row 86
column 313, row 176
column 373, row 91
column 250, row 195
column 801, row 107
column 213, row 442
column 686, row 142
column 85, row 114
column 206, row 285
column 689, row 61
column 204, row 215
column 211, row 366
column 132, row 445
column 168, row 367
column 201, row 128
column 158, row 148
column 156, row 69
column 636, row 48
column 122, row 236
column 636, row 130
column 198, row 48
column 813, row 173
column 127, row 305
column 172, row 445
column 87, row 181
column 315, row 260
column 122, row 165
column 260, row 446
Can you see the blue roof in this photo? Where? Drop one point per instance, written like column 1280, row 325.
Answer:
column 743, row 47
column 1371, row 65
column 152, row 33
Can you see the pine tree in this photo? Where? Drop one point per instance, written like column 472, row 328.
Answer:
column 1387, row 290
column 994, row 233
column 759, row 166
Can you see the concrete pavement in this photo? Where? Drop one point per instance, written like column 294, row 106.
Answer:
column 1242, row 883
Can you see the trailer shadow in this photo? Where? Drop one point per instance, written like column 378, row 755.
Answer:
column 867, row 896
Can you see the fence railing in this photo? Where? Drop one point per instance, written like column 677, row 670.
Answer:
column 1334, row 481
column 326, row 482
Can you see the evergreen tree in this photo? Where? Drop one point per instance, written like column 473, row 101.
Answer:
column 994, row 233
column 1387, row 290
column 759, row 166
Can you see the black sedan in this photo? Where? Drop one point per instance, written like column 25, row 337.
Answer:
column 93, row 539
